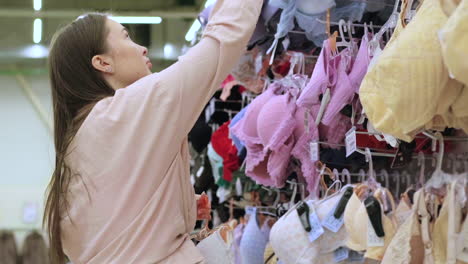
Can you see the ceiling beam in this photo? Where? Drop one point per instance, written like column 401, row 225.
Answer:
column 26, row 13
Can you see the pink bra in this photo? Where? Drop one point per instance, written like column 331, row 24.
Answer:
column 267, row 131
column 347, row 85
column 322, row 77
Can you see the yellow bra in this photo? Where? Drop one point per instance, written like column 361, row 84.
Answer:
column 454, row 42
column 356, row 223
column 409, row 88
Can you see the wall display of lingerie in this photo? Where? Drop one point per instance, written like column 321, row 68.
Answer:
column 340, row 137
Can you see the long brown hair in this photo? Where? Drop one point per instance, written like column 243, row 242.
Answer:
column 76, row 87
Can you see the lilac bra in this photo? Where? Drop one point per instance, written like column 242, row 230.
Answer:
column 347, row 85
column 322, row 77
column 329, row 71
column 254, row 241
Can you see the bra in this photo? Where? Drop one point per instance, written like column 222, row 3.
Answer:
column 237, row 142
column 237, row 236
column 322, row 77
column 254, row 240
column 306, row 13
column 454, row 40
column 290, row 240
column 421, row 93
column 215, row 250
column 457, row 233
column 420, row 238
column 357, row 222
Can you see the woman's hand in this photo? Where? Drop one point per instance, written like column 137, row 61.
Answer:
column 203, row 207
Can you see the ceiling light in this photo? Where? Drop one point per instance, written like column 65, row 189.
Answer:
column 193, row 31
column 35, row 51
column 137, row 20
column 37, row 4
column 37, row 32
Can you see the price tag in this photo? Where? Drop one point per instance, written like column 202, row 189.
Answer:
column 317, row 229
column 351, row 141
column 372, row 239
column 331, row 223
column 355, row 256
column 314, row 151
column 341, row 254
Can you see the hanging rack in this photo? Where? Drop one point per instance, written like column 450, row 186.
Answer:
column 376, row 154
column 351, row 24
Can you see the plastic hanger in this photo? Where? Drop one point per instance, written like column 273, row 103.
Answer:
column 391, row 23
column 371, row 181
column 342, row 28
column 439, row 178
column 345, row 173
column 385, row 177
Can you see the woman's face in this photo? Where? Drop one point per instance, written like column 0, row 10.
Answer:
column 128, row 61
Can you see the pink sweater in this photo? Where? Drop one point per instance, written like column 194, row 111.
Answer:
column 138, row 205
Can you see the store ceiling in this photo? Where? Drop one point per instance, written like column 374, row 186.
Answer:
column 165, row 41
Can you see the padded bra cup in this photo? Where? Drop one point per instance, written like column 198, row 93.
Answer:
column 421, row 92
column 291, row 242
column 356, row 223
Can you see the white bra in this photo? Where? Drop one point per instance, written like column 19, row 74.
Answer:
column 215, row 250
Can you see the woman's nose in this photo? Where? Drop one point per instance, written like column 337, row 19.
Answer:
column 145, row 51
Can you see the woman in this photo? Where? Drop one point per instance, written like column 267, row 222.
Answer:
column 121, row 192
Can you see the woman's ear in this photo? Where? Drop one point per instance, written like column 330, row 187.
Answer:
column 102, row 63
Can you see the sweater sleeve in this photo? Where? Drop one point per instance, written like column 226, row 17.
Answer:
column 171, row 101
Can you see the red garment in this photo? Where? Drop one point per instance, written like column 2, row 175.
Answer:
column 223, row 145
column 369, row 141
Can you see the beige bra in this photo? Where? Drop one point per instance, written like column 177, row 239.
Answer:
column 420, row 239
column 356, row 223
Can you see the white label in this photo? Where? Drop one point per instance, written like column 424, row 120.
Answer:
column 331, row 223
column 372, row 239
column 239, row 187
column 30, row 213
column 314, row 151
column 212, row 107
column 317, row 229
column 207, row 115
column 286, row 43
column 200, row 171
column 341, row 254
column 258, row 63
column 351, row 141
